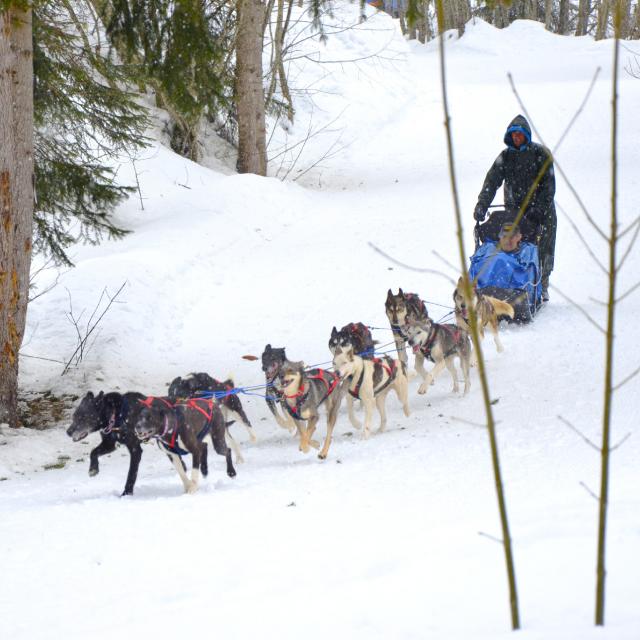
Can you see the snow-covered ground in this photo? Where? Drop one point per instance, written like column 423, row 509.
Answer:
column 390, row 537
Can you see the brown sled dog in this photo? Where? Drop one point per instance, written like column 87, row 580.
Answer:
column 488, row 312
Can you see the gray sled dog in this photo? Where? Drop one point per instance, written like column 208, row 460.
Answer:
column 273, row 359
column 488, row 311
column 369, row 380
column 440, row 343
column 399, row 307
column 302, row 393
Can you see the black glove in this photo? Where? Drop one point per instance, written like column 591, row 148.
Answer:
column 479, row 212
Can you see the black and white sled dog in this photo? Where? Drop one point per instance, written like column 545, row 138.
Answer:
column 302, row 393
column 273, row 359
column 369, row 380
column 440, row 343
column 180, row 429
column 195, row 384
column 355, row 334
column 399, row 307
column 113, row 415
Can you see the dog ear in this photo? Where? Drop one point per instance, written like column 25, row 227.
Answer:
column 400, row 293
column 100, row 395
column 268, row 348
column 334, row 332
column 389, row 295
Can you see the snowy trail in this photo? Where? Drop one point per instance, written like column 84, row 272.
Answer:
column 390, row 537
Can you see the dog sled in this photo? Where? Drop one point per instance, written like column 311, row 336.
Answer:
column 512, row 277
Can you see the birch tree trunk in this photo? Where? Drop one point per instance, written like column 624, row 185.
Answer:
column 252, row 136
column 16, row 196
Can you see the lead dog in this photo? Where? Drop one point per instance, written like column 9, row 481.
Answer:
column 302, row 394
column 398, row 308
column 180, row 429
column 202, row 383
column 369, row 381
column 488, row 311
column 440, row 343
column 114, row 415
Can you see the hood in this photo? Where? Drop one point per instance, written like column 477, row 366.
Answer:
column 519, row 123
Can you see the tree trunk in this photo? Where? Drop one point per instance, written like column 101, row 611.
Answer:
column 252, row 136
column 603, row 19
column 563, row 17
column 548, row 14
column 531, row 10
column 16, row 196
column 584, row 9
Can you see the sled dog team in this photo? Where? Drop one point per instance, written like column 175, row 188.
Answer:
column 182, row 420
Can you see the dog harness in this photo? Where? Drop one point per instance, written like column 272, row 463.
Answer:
column 168, row 440
column 390, row 368
column 117, row 418
column 330, row 380
column 455, row 333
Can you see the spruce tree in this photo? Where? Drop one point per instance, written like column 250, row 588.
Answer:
column 84, row 118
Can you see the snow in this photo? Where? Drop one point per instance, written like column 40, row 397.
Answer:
column 389, row 537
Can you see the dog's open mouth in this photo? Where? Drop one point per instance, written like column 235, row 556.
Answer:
column 144, row 435
column 415, row 347
column 80, row 435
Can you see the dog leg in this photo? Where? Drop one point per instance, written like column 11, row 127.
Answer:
column 366, row 395
column 431, row 376
column 177, row 463
column 107, row 445
column 135, row 453
column 401, row 387
column 352, row 414
column 464, row 364
column 234, row 445
column 448, row 362
column 306, row 433
column 398, row 338
column 493, row 325
column 423, row 373
column 382, row 409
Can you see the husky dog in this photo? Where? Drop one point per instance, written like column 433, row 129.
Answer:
column 369, row 380
column 302, row 394
column 200, row 383
column 440, row 343
column 114, row 415
column 488, row 312
column 355, row 334
column 180, row 429
column 272, row 361
column 398, row 308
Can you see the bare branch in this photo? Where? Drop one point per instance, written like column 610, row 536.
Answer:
column 624, row 439
column 579, row 308
column 632, row 242
column 79, row 353
column 410, row 267
column 595, row 496
column 577, row 431
column 490, row 537
column 582, row 239
column 630, row 291
column 629, row 227
column 632, row 375
column 445, row 261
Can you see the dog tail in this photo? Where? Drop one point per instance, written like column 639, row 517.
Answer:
column 502, row 308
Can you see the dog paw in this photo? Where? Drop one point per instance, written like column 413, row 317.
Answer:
column 322, row 456
column 93, row 472
column 422, row 389
column 191, row 488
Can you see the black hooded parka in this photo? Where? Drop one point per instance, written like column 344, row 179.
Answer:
column 519, row 168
